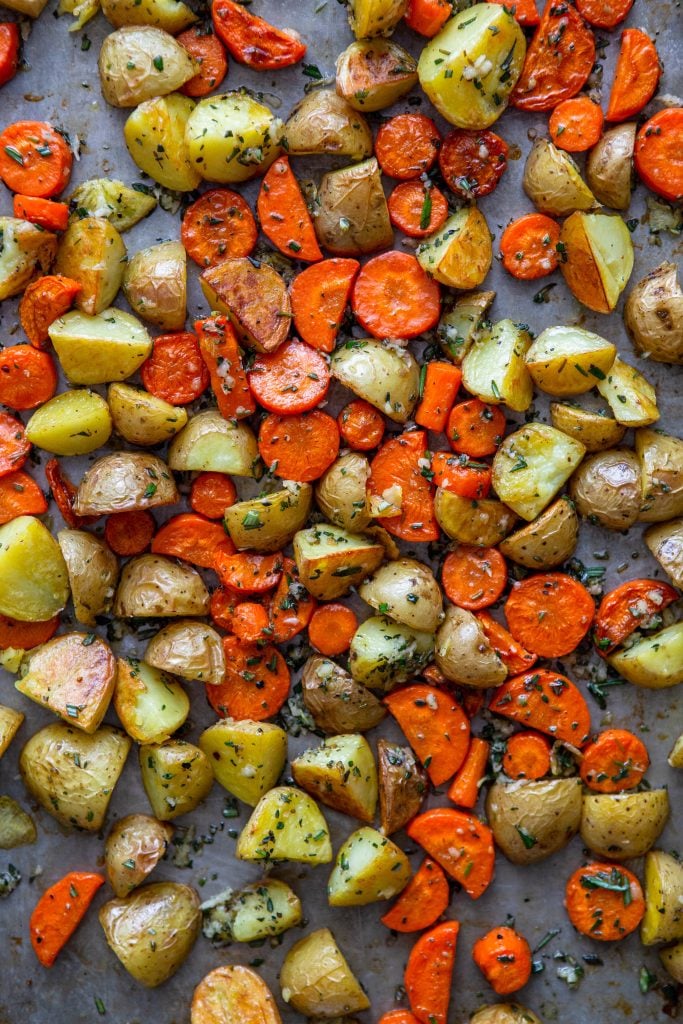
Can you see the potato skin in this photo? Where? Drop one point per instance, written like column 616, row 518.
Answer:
column 341, row 492
column 189, row 649
column 505, row 1013
column 324, row 122
column 93, row 573
column 403, row 785
column 384, row 374
column 463, row 653
column 548, row 810
column 653, row 315
column 274, row 519
column 164, row 117
column 170, row 15
column 547, row 541
column 155, row 285
column 661, row 466
column 373, row 74
column 552, row 181
column 152, row 585
column 123, row 481
column 27, row 251
column 595, row 432
column 665, row 541
column 337, row 703
column 407, row 592
column 609, row 166
column 138, row 838
column 229, row 991
column 316, row 979
column 486, row 525
column 93, row 253
column 353, row 216
column 142, row 418
column 606, row 488
column 663, row 921
column 620, row 826
column 140, row 62
column 75, row 422
column 176, row 775
column 231, row 137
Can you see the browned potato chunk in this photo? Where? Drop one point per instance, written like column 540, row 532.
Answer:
column 403, row 785
column 155, row 586
column 653, row 315
column 124, row 481
column 606, row 488
column 93, row 571
column 595, row 431
column 548, row 540
column 336, row 702
column 255, row 298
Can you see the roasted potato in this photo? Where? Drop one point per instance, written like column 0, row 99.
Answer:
column 31, row 8
column 111, row 200
column 75, row 422
column 27, row 251
column 210, row 443
column 341, row 492
column 330, row 560
column 254, row 297
column 142, row 418
column 225, row 992
column 494, row 369
column 93, row 253
column 301, row 833
column 151, row 585
column 653, row 315
column 232, row 137
column 132, row 850
column 170, row 15
column 99, row 349
column 655, row 662
column 342, row 774
column 369, row 867
column 189, row 649
column 672, row 961
column 568, row 360
column 630, row 396
column 504, row 1013
column 460, row 253
column 484, row 524
column 324, row 122
column 141, row 62
column 385, row 653
column 256, row 912
column 155, row 138
column 407, row 592
column 547, row 541
column 10, row 722
column 594, row 430
column 553, row 183
column 460, row 324
column 373, row 74
column 464, row 654
column 247, row 758
column 353, row 217
column 531, row 466
column 403, row 785
column 335, row 700
column 123, row 481
column 269, row 523
column 34, row 580
column 93, row 573
column 532, row 820
column 663, row 921
column 609, row 166
column 665, row 541
column 620, row 826
column 597, row 258
column 176, row 775
column 661, row 466
column 606, row 488
column 316, row 979
column 384, row 374
column 375, row 17
column 151, row 704
column 155, row 285
column 17, row 828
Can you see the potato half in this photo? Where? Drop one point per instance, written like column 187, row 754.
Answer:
column 384, row 374
column 341, row 492
column 375, row 17
column 374, row 73
column 663, row 921
column 460, row 253
column 547, row 541
column 606, row 488
column 568, row 360
column 484, row 525
column 270, row 522
column 653, row 315
column 210, row 443
column 630, row 396
column 254, row 297
column 110, row 199
column 176, row 777
column 531, row 466
column 594, row 430
column 93, row 573
column 189, row 649
column 27, row 251
column 93, row 253
column 609, row 166
column 76, row 422
column 34, row 580
column 123, row 481
column 317, row 981
column 324, row 122
column 132, row 850
column 665, row 541
column 151, row 585
column 141, row 418
column 155, row 285
column 342, row 774
column 247, row 758
column 335, row 700
column 385, row 653
column 330, row 560
column 301, row 833
column 661, row 466
column 155, row 138
column 553, row 183
column 620, row 826
column 353, row 217
column 494, row 368
column 597, row 258
column 369, row 867
column 140, row 62
column 231, row 137
column 655, row 662
column 460, row 323
column 151, row 704
column 532, row 820
column 407, row 592
column 99, row 349
column 464, row 654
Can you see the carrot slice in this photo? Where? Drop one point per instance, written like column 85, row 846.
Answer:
column 604, row 901
column 250, row 621
column 217, row 227
column 549, row 613
column 523, row 11
column 10, row 41
column 209, row 52
column 474, row 578
column 473, row 162
column 558, row 61
column 546, row 701
column 27, row 377
column 175, row 371
column 658, row 153
column 604, row 13
column 34, row 159
column 291, row 606
column 64, row 494
column 253, row 41
column 223, row 359
column 422, row 902
column 247, row 571
column 194, row 539
column 471, row 701
column 293, row 379
column 43, row 302
column 43, row 212
column 393, row 297
column 475, row 428
column 459, row 474
column 319, row 296
column 527, row 756
column 303, row 446
column 460, row 843
column 441, row 384
column 211, row 494
column 528, row 246
column 129, row 533
column 331, row 628
column 625, row 608
column 436, row 727
column 14, row 445
column 256, row 682
column 407, row 146
column 398, row 463
column 615, row 761
column 223, row 605
column 576, row 124
column 20, row 495
column 361, row 425
column 284, row 216
column 636, row 76
column 59, row 911
column 427, row 17
column 417, row 208
column 25, row 635
column 464, row 789
column 398, row 1016
column 504, row 958
column 515, row 658
column 429, row 973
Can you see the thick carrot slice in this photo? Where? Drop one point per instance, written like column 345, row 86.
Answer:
column 441, row 384
column 459, row 474
column 475, row 428
column 303, row 446
column 20, row 495
column 549, row 613
column 64, row 494
column 43, row 212
column 209, row 52
column 407, row 146
column 528, row 246
column 546, row 701
column 129, row 533
column 472, row 163
column 14, row 446
column 27, row 377
column 319, row 296
column 293, row 379
column 604, row 13
column 25, row 635
column 253, row 41
column 527, row 756
column 615, row 761
column 250, row 621
column 223, row 606
column 59, row 911
column 460, row 843
column 558, row 61
column 211, row 494
column 658, row 153
column 223, row 359
column 576, row 124
column 291, row 607
column 417, row 208
column 464, row 789
column 427, row 17
column 34, row 159
column 523, row 11
column 429, row 973
column 636, row 75
column 398, row 463
column 361, row 425
column 331, row 628
column 436, row 727
column 393, row 297
column 284, row 216
column 398, row 1016
column 604, row 901
column 247, row 571
column 422, row 902
column 625, row 608
column 194, row 539
column 10, row 41
column 474, row 578
column 175, row 371
column 504, row 958
column 515, row 658
column 256, row 682
column 43, row 302
column 471, row 701
column 218, row 226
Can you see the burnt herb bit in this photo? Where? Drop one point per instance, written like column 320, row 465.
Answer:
column 543, row 294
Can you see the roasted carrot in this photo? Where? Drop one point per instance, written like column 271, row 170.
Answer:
column 475, row 428
column 59, row 911
column 523, row 11
column 422, row 902
column 256, row 682
column 34, row 159
column 427, row 17
column 193, row 538
column 361, row 425
column 43, row 212
column 218, row 226
column 14, row 446
column 211, row 494
column 417, row 208
column 576, row 124
column 25, row 635
column 129, row 533
column 331, row 628
column 626, row 608
column 441, row 383
column 302, row 447
column 604, row 901
column 284, row 216
column 657, row 153
column 429, row 972
column 549, row 613
column 474, row 578
column 43, row 302
column 223, row 359
column 504, row 958
column 471, row 701
column 460, row 843
column 319, row 296
column 64, row 494
column 398, row 1017
column 528, row 246
column 28, row 377
column 20, row 495
column 398, row 463
column 10, row 41
column 515, row 658
column 250, row 621
column 291, row 606
column 209, row 52
column 636, row 75
column 248, row 572
column 558, row 61
column 293, row 379
column 393, row 297
column 407, row 146
column 527, row 756
column 253, row 41
column 604, row 13
column 464, row 789
column 175, row 371
column 473, row 162
column 546, row 701
column 436, row 727
column 614, row 761
column 461, row 475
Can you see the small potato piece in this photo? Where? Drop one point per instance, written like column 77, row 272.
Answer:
column 254, row 297
column 27, row 251
column 484, row 525
column 655, row 662
column 152, row 585
column 330, row 561
column 609, row 166
column 189, row 649
column 595, row 431
column 375, row 17
column 31, row 8
column 336, row 702
column 568, row 360
column 247, row 758
column 672, row 961
column 341, row 774
column 661, row 466
column 34, row 581
column 369, row 867
column 232, row 137
column 373, row 74
column 155, row 285
column 98, row 349
column 532, row 820
column 264, row 909
column 209, row 443
column 324, row 122
column 460, row 253
column 301, row 835
column 76, row 422
column 407, row 592
column 10, row 722
column 553, row 183
column 504, row 1013
column 10, row 659
column 161, row 122
column 384, row 374
column 403, row 785
column 132, row 850
column 93, row 253
column 663, row 921
column 110, row 199
column 123, row 481
column 168, row 911
column 93, row 573
column 385, row 653
column 317, row 981
column 631, row 397
column 17, row 828
column 230, row 993
column 597, row 258
column 341, row 492
column 151, row 704
column 606, row 488
column 464, row 654
column 459, row 325
column 269, row 523
column 653, row 315
column 495, row 369
column 72, row 774
column 620, row 826
column 547, row 541
column 665, row 541
column 142, row 418
column 140, row 62
column 176, row 775
column 531, row 466
column 353, row 216
column 170, row 15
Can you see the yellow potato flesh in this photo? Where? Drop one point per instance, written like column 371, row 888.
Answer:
column 73, row 423
column 33, row 576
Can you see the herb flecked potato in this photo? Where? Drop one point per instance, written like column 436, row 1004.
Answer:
column 403, row 785
column 531, row 466
column 151, row 704
column 317, row 981
column 341, row 492
column 141, row 418
column 461, row 322
column 374, row 73
column 655, row 662
column 97, row 349
column 352, row 216
column 270, row 522
column 597, row 258
column 620, row 826
column 653, row 315
column 552, row 181
column 170, row 15
column 547, row 541
column 330, row 560
column 568, row 360
column 189, row 649
column 665, row 541
column 464, row 654
column 484, row 524
column 93, row 253
column 385, row 653
column 505, row 1013
column 369, row 867
column 210, row 443
column 383, row 373
column 226, row 991
column 609, row 166
column 342, row 774
column 460, row 253
column 34, row 579
column 75, row 422
column 661, row 466
column 132, row 850
column 247, row 758
column 123, row 481
column 155, row 285
column 370, row 18
column 532, row 820
column 232, row 137
column 176, row 775
column 663, row 920
column 301, row 833
column 161, row 587
column 259, row 911
column 336, row 701
column 93, row 573
column 606, row 488
column 155, row 138
column 496, row 367
column 407, row 592
column 256, row 299
column 594, row 430
column 110, row 199
column 140, row 62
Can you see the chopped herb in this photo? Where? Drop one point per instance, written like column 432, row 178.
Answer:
column 150, row 491
column 526, row 837
column 158, row 63
column 99, row 1006
column 546, row 939
column 426, row 214
column 543, row 295
column 312, row 71
column 252, row 520
column 613, row 881
column 646, row 980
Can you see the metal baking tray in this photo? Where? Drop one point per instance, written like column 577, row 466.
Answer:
column 60, row 84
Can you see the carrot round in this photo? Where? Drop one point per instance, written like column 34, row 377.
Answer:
column 331, row 628
column 528, row 246
column 25, row 635
column 407, row 146
column 417, row 208
column 250, row 621
column 523, row 11
column 43, row 212
column 14, row 446
column 64, row 494
column 549, row 613
column 462, row 476
column 527, row 756
column 436, row 727
column 604, row 901
column 625, row 608
column 658, row 153
column 546, row 701
column 427, row 17
column 211, row 493
column 576, row 124
column 303, row 446
column 615, row 761
column 256, row 683
column 253, row 41
column 361, row 425
column 429, row 973
column 604, row 13
column 399, row 462
column 558, row 61
column 636, row 75
column 472, row 162
column 193, row 538
column 284, row 216
column 209, row 53
column 475, row 428
column 217, row 227
column 175, row 371
column 464, row 789
column 474, row 578
column 34, row 159
column 20, row 495
column 291, row 606
column 319, row 296
column 43, row 302
column 27, row 377
column 393, row 297
column 460, row 843
column 293, row 379
column 504, row 958
column 515, row 658
column 223, row 359
column 59, row 911
column 10, row 41
column 129, row 533
column 422, row 902
column 441, row 384
column 248, row 572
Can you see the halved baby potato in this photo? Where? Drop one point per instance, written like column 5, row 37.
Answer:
column 111, row 200
column 374, row 73
column 270, row 522
column 553, row 183
column 352, row 216
column 259, row 911
column 661, row 467
column 385, row 653
column 460, row 253
column 342, row 774
column 93, row 253
column 547, row 541
column 155, row 285
column 155, row 138
column 140, row 62
column 154, row 586
column 569, row 360
column 594, row 430
column 609, row 166
column 495, row 367
column 10, row 722
column 247, row 758
column 631, row 397
column 406, row 591
column 170, row 15
column 189, row 649
column 176, row 776
column 663, row 921
column 620, row 826
column 123, row 481
column 665, row 541
column 34, row 580
column 210, row 443
column 231, row 137
column 597, row 258
column 369, row 867
column 142, row 418
column 459, row 325
column 93, row 573
column 464, row 654
column 317, row 981
column 132, row 850
column 370, row 18
column 286, row 824
column 341, row 492
column 384, row 374
column 27, row 251
column 532, row 820
column 483, row 523
column 606, row 488
column 151, row 704
column 531, row 466
column 331, row 560
column 656, row 662
column 97, row 349
column 324, row 122
column 75, row 422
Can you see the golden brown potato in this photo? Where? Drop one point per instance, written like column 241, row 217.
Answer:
column 459, row 325
column 317, row 981
column 403, row 785
column 269, row 523
column 330, row 560
column 407, row 592
column 606, row 488
column 132, row 850
column 34, row 582
column 655, row 662
column 124, row 481
column 230, row 991
column 171, row 15
column 324, row 122
column 141, row 418
column 341, row 774
column 630, row 396
column 17, row 828
column 353, row 216
column 374, row 73
column 189, row 649
column 486, row 525
column 661, row 466
column 151, row 585
column 286, row 824
column 168, row 161
column 653, row 315
column 155, row 285
column 93, row 572
column 609, row 166
column 382, row 372
column 665, row 541
column 620, row 826
column 93, row 253
column 368, row 867
column 597, row 258
column 547, row 541
column 592, row 429
column 532, row 820
column 663, row 921
column 463, row 652
column 385, row 653
column 460, row 253
column 336, row 702
column 247, row 758
column 150, row 704
column 176, row 775
column 254, row 297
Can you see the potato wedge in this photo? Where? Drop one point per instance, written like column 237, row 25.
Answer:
column 459, row 325
column 653, row 315
column 353, row 216
column 341, row 774
column 27, row 251
column 93, row 253
column 231, row 137
column 485, row 523
column 407, row 592
column 142, row 418
column 10, row 723
column 189, row 649
column 460, row 253
column 99, row 349
column 254, row 297
column 597, row 258
column 531, row 466
column 330, row 560
column 369, row 867
column 132, row 850
column 547, row 541
column 341, row 492
column 155, row 285
column 301, row 833
column 324, row 122
column 123, row 481
column 110, row 199
column 620, row 826
column 663, row 921
column 259, row 911
column 141, row 62
column 76, row 422
column 34, row 581
column 496, row 369
column 665, row 541
column 210, row 443
column 224, row 993
column 568, row 360
column 532, row 820
column 631, row 397
column 269, row 523
column 247, row 758
column 594, row 430
column 176, row 776
column 151, row 704
column 170, row 15
column 661, row 466
column 609, row 166
column 335, row 701
column 163, row 118
column 384, row 374
column 373, row 74
column 464, row 654
column 403, row 785
column 606, row 489
column 317, row 981
column 31, row 8
column 385, row 653
column 655, row 662
column 553, row 183
column 151, row 585
column 93, row 573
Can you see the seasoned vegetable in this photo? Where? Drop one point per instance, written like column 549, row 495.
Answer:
column 609, row 167
column 27, row 252
column 620, row 826
column 373, row 74
column 258, row 911
column 653, row 315
column 16, row 826
column 532, row 465
column 254, row 297
column 151, row 704
column 330, row 560
column 164, row 117
column 663, row 920
column 665, row 541
column 661, row 467
column 317, row 981
column 170, row 15
column 123, row 481
column 97, row 349
column 176, row 775
column 655, row 662
column 353, row 217
column 301, row 833
column 597, row 258
column 154, row 283
column 247, row 758
column 142, row 418
column 225, row 992
column 382, row 373
column 568, row 360
column 485, row 523
column 93, row 573
column 496, row 367
column 232, row 137
column 460, row 253
column 34, row 574
column 269, row 523
column 188, row 649
column 342, row 774
column 546, row 541
column 553, row 183
column 75, row 422
column 110, row 199
column 594, row 430
column 403, row 785
column 369, row 867
column 606, row 488
column 375, row 17
column 460, row 324
column 533, row 820
column 407, row 592
column 152, row 585
column 324, row 122
column 212, row 444
column 463, row 652
column 132, row 850
column 140, row 62
column 630, row 395
column 341, row 492
column 336, row 701
column 10, row 722
column 385, row 653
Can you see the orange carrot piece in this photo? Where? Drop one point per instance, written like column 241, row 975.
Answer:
column 473, row 162
column 175, row 371
column 436, row 727
column 20, row 495
column 10, row 43
column 615, row 761
column 515, row 658
column 361, row 425
column 14, row 445
column 331, row 628
column 604, row 901
column 253, row 41
column 25, row 635
column 303, row 445
column 546, row 701
column 218, row 226
column 461, row 475
column 621, row 611
column 460, row 843
column 34, row 159
column 393, row 297
column 248, row 572
column 474, row 578
column 422, row 902
column 28, row 377
column 417, row 208
column 527, row 756
column 559, row 60
column 427, row 17
column 407, row 146
column 59, row 911
column 250, row 622
column 284, row 216
column 129, row 533
column 429, row 973
column 575, row 125
column 523, row 11
column 293, row 379
column 224, row 604
column 475, row 428
column 291, row 606
column 43, row 302
column 398, row 462
column 657, row 154
column 193, row 538
column 211, row 494
column 64, row 493
column 441, row 384
column 44, row 212
column 319, row 296
column 504, row 958
column 464, row 789
column 604, row 13
column 223, row 359
column 209, row 52
column 471, row 701
column 549, row 613
column 256, row 683
column 528, row 246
